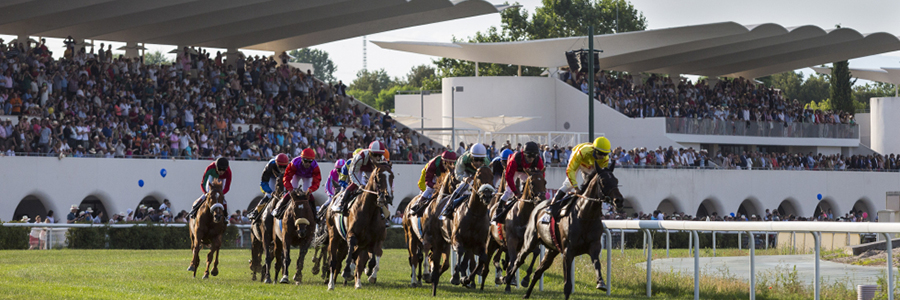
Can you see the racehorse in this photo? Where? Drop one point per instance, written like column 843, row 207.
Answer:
column 292, row 230
column 207, row 229
column 262, row 238
column 507, row 236
column 413, row 231
column 361, row 232
column 578, row 230
column 468, row 230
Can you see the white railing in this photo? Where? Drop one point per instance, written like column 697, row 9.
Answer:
column 63, row 227
column 751, row 228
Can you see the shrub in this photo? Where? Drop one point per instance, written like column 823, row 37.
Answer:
column 14, row 238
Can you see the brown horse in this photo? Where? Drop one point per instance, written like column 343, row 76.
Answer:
column 509, row 235
column 468, row 230
column 579, row 229
column 362, row 231
column 207, row 229
column 413, row 230
column 262, row 238
column 293, row 230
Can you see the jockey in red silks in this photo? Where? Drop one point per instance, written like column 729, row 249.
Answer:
column 303, row 172
column 515, row 169
column 216, row 170
column 360, row 166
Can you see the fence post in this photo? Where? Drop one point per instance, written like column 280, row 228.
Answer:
column 739, row 241
column 541, row 283
column 696, row 246
column 647, row 237
column 817, row 237
column 767, row 240
column 890, row 266
column 667, row 243
column 622, row 242
column 691, row 242
column 714, row 243
column 752, row 266
column 608, row 260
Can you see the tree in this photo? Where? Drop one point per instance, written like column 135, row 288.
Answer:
column 368, row 85
column 419, row 75
column 862, row 93
column 323, row 67
column 793, row 86
column 155, row 58
column 556, row 18
column 842, row 87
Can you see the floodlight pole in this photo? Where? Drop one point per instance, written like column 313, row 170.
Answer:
column 590, row 83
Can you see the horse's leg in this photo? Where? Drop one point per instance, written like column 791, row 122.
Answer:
column 482, row 267
column 278, row 251
column 567, row 270
column 298, row 276
column 413, row 249
column 534, row 256
column 427, row 254
column 361, row 260
column 215, row 269
column 460, row 254
column 286, row 257
column 352, row 253
column 545, row 264
column 594, row 251
column 335, row 261
column 492, row 248
column 316, row 260
column 195, row 253
column 512, row 245
column 435, row 270
column 266, row 277
column 374, row 266
column 254, row 256
column 209, row 259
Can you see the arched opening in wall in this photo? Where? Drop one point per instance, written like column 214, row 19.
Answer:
column 402, row 206
column 787, row 208
column 825, row 206
column 668, row 206
column 31, row 206
column 630, row 206
column 97, row 206
column 254, row 203
column 864, row 210
column 748, row 208
column 709, row 207
column 150, row 202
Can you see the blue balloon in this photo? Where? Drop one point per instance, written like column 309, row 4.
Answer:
column 819, row 196
column 163, row 173
column 732, row 214
column 141, row 183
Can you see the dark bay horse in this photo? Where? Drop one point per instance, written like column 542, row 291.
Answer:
column 293, row 229
column 262, row 238
column 579, row 229
column 413, row 230
column 468, row 230
column 207, row 229
column 507, row 237
column 362, row 231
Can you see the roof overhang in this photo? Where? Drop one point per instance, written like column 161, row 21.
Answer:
column 271, row 25
column 719, row 49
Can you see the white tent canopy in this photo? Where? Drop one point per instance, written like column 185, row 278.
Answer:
column 494, row 124
column 886, row 75
column 407, row 120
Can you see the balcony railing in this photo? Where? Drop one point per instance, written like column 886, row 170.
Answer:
column 761, row 129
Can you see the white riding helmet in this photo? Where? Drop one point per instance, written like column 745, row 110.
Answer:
column 478, row 150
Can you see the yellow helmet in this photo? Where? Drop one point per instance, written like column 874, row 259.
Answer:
column 602, row 144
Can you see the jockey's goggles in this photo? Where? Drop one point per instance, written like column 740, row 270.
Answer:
column 307, row 161
column 531, row 155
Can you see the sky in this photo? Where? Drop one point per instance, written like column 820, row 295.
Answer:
column 863, row 15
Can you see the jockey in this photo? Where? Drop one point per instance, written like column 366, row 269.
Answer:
column 216, row 170
column 358, row 170
column 498, row 166
column 345, row 171
column 584, row 157
column 515, row 169
column 333, row 185
column 303, row 172
column 435, row 167
column 466, row 166
column 271, row 179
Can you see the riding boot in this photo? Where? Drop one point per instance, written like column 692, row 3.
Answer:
column 556, row 204
column 500, row 214
column 420, row 206
column 451, row 207
column 280, row 207
column 262, row 204
column 196, row 207
column 344, row 200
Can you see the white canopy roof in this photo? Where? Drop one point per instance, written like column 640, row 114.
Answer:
column 494, row 124
column 718, row 49
column 886, row 75
column 252, row 24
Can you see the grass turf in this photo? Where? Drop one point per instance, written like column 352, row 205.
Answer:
column 161, row 274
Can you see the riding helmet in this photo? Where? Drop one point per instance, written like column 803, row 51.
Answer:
column 448, row 156
column 282, row 159
column 222, row 164
column 478, row 150
column 308, row 153
column 602, row 144
column 532, row 147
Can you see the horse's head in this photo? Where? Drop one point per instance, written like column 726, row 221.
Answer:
column 535, row 185
column 384, row 183
column 216, row 201
column 484, row 179
column 609, row 186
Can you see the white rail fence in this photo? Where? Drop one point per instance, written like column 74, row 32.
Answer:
column 56, row 232
column 888, row 230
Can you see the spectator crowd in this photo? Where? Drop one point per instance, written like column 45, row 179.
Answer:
column 88, row 104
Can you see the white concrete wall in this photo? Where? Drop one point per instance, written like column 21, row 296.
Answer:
column 864, row 120
column 60, row 183
column 411, row 105
column 884, row 124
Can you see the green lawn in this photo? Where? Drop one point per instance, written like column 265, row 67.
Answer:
column 161, row 274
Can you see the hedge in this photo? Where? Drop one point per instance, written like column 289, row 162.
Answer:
column 138, row 237
column 14, row 238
